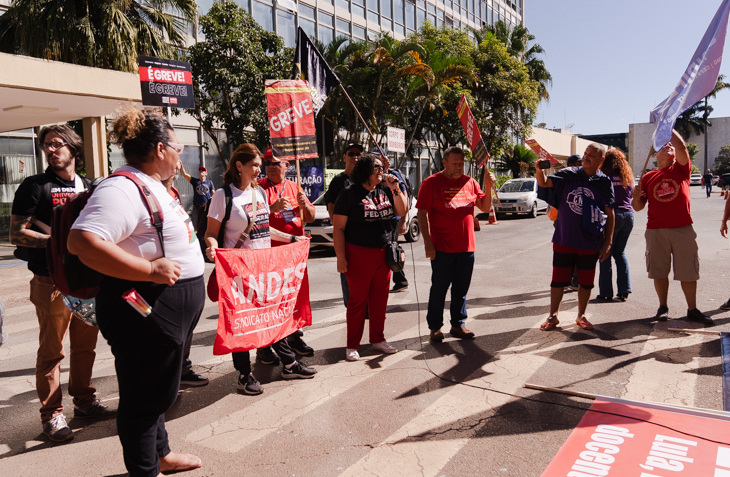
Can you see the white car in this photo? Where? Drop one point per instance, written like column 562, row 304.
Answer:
column 695, row 179
column 321, row 229
column 519, row 196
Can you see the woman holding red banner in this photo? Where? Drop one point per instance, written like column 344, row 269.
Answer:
column 364, row 223
column 114, row 234
column 237, row 231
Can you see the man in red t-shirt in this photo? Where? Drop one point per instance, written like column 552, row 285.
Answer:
column 445, row 206
column 285, row 199
column 671, row 242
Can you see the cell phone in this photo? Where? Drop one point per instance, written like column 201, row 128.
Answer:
column 544, row 164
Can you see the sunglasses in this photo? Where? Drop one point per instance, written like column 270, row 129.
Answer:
column 378, row 167
column 272, row 163
column 178, row 148
column 53, row 146
column 354, row 154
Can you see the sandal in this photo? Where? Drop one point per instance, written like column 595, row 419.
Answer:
column 584, row 323
column 550, row 324
column 181, row 463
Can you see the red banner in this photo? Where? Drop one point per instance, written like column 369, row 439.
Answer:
column 623, row 443
column 473, row 136
column 291, row 119
column 541, row 152
column 264, row 296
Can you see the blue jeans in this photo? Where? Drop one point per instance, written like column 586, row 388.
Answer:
column 452, row 269
column 621, row 232
column 708, row 187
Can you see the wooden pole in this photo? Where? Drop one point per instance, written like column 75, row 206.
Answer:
column 560, row 391
column 299, row 186
column 701, row 332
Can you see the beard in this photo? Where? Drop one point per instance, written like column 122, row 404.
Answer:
column 60, row 164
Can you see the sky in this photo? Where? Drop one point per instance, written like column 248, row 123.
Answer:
column 613, row 61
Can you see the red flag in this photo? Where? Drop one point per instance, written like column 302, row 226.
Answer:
column 473, row 136
column 264, row 296
column 541, row 152
column 291, row 119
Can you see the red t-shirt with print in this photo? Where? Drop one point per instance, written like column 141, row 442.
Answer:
column 277, row 220
column 667, row 191
column 450, row 207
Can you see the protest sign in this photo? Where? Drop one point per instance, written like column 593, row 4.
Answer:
column 396, row 139
column 263, row 296
column 473, row 136
column 541, row 152
column 620, row 437
column 166, row 82
column 291, row 119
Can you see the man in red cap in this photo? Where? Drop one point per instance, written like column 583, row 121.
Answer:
column 286, row 200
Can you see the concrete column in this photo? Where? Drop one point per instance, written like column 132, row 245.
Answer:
column 95, row 155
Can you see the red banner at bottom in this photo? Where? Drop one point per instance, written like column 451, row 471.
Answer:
column 645, row 440
column 264, row 296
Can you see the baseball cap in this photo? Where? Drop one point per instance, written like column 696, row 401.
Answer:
column 269, row 153
column 375, row 150
column 202, row 169
column 354, row 144
column 573, row 159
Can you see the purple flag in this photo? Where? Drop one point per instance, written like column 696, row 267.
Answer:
column 698, row 80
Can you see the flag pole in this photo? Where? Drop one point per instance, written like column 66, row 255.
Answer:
column 299, row 188
column 646, row 163
column 372, row 138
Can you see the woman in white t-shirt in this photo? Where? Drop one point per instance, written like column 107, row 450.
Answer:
column 114, row 235
column 243, row 169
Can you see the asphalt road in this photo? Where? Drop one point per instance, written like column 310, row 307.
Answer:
column 458, row 408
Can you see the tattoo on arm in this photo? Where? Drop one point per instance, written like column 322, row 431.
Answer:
column 21, row 234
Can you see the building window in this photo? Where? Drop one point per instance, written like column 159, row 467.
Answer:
column 398, row 11
column 410, row 15
column 343, row 4
column 420, row 17
column 286, row 27
column 263, row 16
column 343, row 26
column 309, row 27
column 432, row 19
column 358, row 7
column 306, row 11
column 373, row 17
column 385, row 9
column 386, row 24
column 358, row 32
column 399, row 29
column 373, row 5
column 326, row 34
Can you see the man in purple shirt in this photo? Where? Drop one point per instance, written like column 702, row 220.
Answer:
column 584, row 192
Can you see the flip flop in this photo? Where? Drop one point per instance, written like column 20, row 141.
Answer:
column 186, row 462
column 584, row 323
column 550, row 324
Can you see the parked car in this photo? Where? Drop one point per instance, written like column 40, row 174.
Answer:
column 321, row 229
column 695, row 179
column 519, row 196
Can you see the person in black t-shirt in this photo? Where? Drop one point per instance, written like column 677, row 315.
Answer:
column 363, row 226
column 337, row 185
column 30, row 230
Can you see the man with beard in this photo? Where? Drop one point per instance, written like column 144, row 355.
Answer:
column 30, row 230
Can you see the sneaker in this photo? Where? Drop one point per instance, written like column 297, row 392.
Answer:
column 298, row 371
column 461, row 332
column 301, row 348
column 352, row 355
column 698, row 316
column 95, row 410
column 726, row 305
column 57, row 430
column 267, row 356
column 191, row 378
column 385, row 347
column 399, row 287
column 248, row 384
column 662, row 313
column 622, row 296
column 437, row 336
column 603, row 298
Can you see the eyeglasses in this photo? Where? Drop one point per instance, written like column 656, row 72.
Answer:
column 178, row 148
column 378, row 167
column 273, row 163
column 353, row 154
column 54, row 145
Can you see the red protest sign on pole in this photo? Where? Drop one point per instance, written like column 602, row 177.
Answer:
column 291, row 119
column 263, row 296
column 625, row 438
column 541, row 152
column 473, row 136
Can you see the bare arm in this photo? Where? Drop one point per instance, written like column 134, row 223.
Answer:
column 636, row 201
column 542, row 179
column 184, row 173
column 331, row 210
column 21, row 234
column 338, row 235
column 725, row 217
column 211, row 237
column 280, row 236
column 306, row 208
column 682, row 155
column 110, row 259
column 426, row 233
column 608, row 233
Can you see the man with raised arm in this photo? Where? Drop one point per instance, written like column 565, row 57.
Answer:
column 671, row 242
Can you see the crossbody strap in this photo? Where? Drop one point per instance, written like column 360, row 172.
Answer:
column 255, row 205
column 150, row 201
column 229, row 205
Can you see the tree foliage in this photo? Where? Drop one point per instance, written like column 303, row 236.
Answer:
column 229, row 70
column 520, row 161
column 722, row 161
column 106, row 34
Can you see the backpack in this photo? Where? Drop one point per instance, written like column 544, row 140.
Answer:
column 71, row 276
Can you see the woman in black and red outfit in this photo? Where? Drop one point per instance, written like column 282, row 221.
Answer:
column 363, row 225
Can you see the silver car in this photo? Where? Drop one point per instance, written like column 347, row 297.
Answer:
column 519, row 196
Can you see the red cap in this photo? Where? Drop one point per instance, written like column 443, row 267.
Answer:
column 269, row 154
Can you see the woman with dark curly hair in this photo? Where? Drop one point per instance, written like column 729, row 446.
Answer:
column 364, row 221
column 114, row 235
column 617, row 168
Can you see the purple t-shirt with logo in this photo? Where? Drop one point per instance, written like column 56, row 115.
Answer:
column 622, row 194
column 569, row 226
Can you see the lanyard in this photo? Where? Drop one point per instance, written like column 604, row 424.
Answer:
column 283, row 185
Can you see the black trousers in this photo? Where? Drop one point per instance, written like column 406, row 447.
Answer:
column 148, row 354
column 242, row 359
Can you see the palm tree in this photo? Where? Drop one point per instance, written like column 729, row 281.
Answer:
column 101, row 33
column 520, row 161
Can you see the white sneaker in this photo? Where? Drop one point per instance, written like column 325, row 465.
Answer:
column 385, row 347
column 352, row 355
